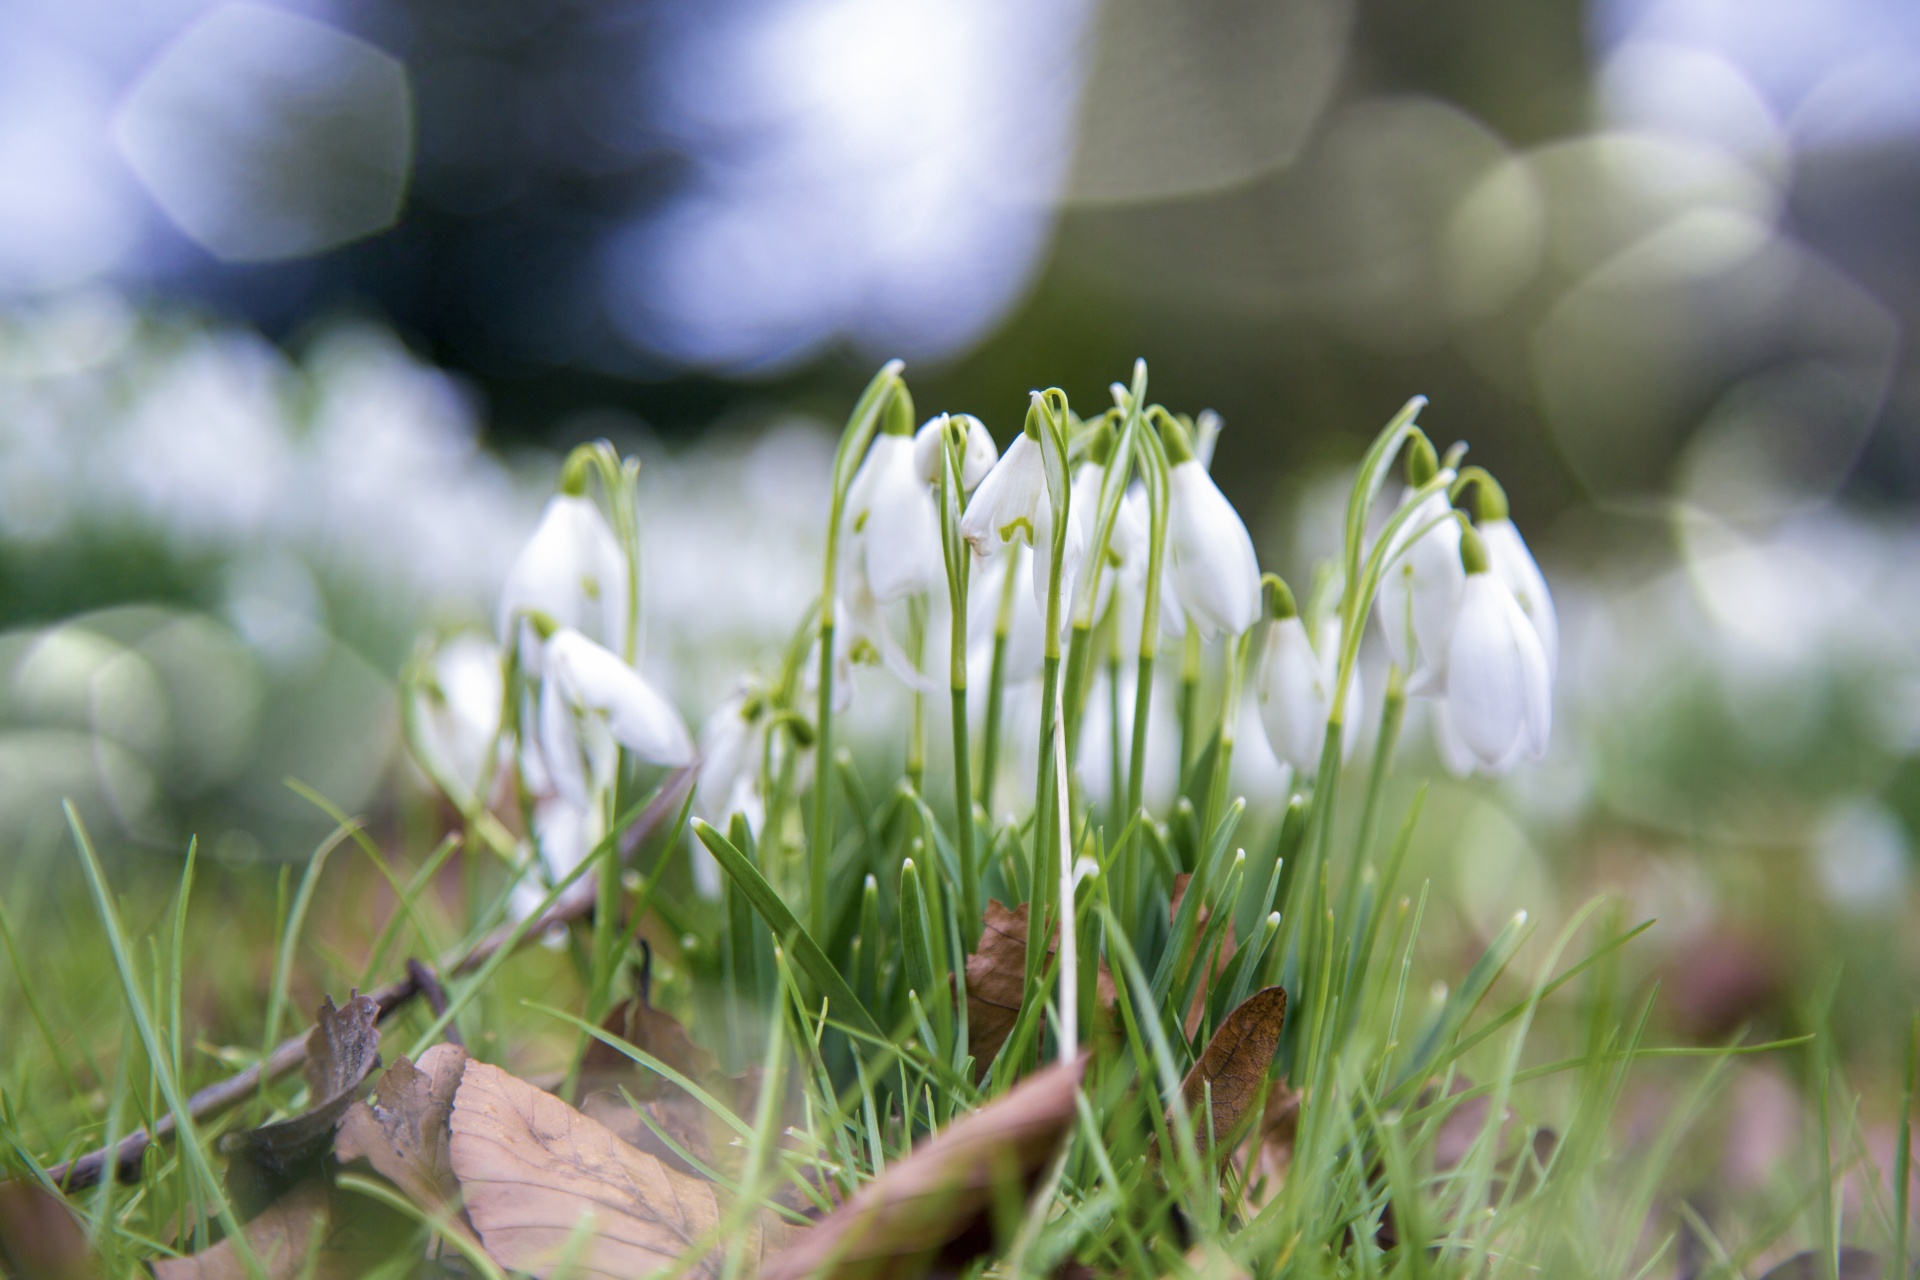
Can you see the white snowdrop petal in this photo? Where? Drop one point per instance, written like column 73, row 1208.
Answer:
column 981, row 452
column 1215, row 571
column 926, row 448
column 560, row 748
column 1292, row 695
column 1486, row 695
column 901, row 538
column 1509, row 558
column 1074, row 553
column 637, row 716
column 1002, row 508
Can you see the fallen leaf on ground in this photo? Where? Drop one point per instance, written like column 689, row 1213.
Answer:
column 1271, row 1154
column 342, row 1051
column 653, row 1032
column 937, row 1203
column 403, row 1133
column 997, row 977
column 310, row 1233
column 40, row 1239
column 1234, row 1066
column 1855, row 1264
column 678, row 1113
column 544, row 1183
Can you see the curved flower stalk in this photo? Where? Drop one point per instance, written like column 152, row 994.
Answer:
column 1499, row 704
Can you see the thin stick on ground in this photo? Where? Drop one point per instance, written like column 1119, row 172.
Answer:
column 291, row 1054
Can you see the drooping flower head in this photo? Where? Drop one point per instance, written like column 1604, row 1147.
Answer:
column 1295, row 681
column 975, row 462
column 892, row 526
column 1012, row 505
column 1499, row 702
column 1216, row 576
column 1509, row 560
column 573, row 569
column 455, row 712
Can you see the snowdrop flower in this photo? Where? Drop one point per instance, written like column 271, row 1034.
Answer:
column 1216, row 576
column 730, row 743
column 1499, row 703
column 573, row 570
column 1127, row 542
column 592, row 703
column 894, row 528
column 1294, row 684
column 861, row 635
column 1004, row 506
column 1509, row 560
column 456, row 711
column 975, row 462
column 564, row 833
column 1420, row 592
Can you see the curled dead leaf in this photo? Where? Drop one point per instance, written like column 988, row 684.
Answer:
column 404, row 1132
column 342, row 1051
column 936, row 1203
column 1233, row 1068
column 310, row 1233
column 996, row 981
column 544, row 1183
column 40, row 1239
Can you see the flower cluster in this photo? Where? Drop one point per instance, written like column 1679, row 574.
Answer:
column 557, row 694
column 1120, row 536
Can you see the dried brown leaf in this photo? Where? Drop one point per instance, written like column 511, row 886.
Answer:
column 534, row 1170
column 679, row 1115
column 1234, row 1066
column 934, row 1203
column 1855, row 1264
column 309, row 1233
column 652, row 1031
column 40, row 1239
column 404, row 1132
column 996, row 981
column 342, row 1051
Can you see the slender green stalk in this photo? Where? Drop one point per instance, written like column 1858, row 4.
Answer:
column 1116, row 781
column 1903, row 1153
column 1188, row 702
column 916, row 769
column 1050, row 413
column 1073, row 696
column 853, row 447
column 959, row 566
column 1235, row 655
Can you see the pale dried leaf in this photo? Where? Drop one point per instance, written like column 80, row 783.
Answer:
column 343, row 1049
column 940, row 1195
column 307, row 1234
column 678, row 1114
column 1234, row 1066
column 404, row 1132
column 656, row 1033
column 533, row 1170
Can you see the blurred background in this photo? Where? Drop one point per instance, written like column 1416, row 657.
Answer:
column 302, row 302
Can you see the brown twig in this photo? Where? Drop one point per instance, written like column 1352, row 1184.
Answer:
column 290, row 1054
column 422, row 975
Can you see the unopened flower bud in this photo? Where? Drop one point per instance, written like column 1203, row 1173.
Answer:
column 1423, row 464
column 898, row 420
column 1473, row 550
column 1276, row 598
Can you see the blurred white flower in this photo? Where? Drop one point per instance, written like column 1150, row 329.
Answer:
column 1026, row 638
column 1861, row 856
column 861, row 635
column 1074, row 552
column 1421, row 592
column 457, row 711
column 1499, row 702
column 1294, row 684
column 1216, row 576
column 893, row 526
column 730, row 744
column 593, row 683
column 1509, row 560
column 564, row 833
column 1005, row 504
column 573, row 570
column 975, row 463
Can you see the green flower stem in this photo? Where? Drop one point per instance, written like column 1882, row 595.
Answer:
column 959, row 566
column 1053, row 419
column 1236, row 659
column 917, row 727
column 1152, row 460
column 861, row 425
column 1079, row 644
column 1189, row 696
column 1116, row 782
